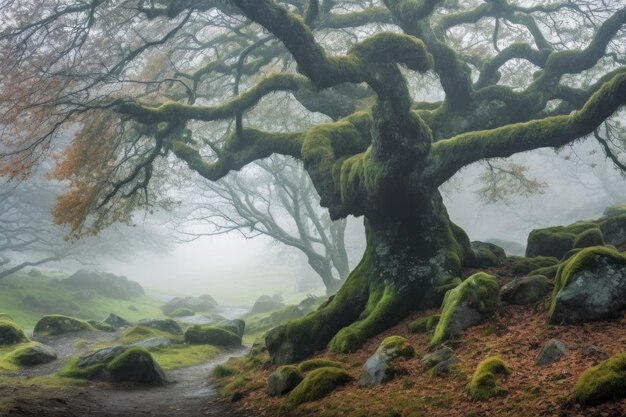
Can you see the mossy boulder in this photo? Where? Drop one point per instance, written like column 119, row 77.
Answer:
column 105, row 284
column 202, row 304
column 56, row 325
column 526, row 290
column 182, row 312
column 266, row 303
column 154, row 342
column 424, row 324
column 484, row 383
column 588, row 238
column 164, row 325
column 521, row 265
column 103, row 327
column 467, row 305
column 119, row 364
column 442, row 354
column 614, row 230
column 380, row 367
column 31, row 354
column 11, row 334
column 317, row 363
column 484, row 255
column 553, row 241
column 317, row 384
column 614, row 210
column 236, row 326
column 283, row 380
column 211, row 335
column 589, row 286
column 602, row 383
column 116, row 321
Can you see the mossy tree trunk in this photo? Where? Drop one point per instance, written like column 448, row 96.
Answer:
column 413, row 255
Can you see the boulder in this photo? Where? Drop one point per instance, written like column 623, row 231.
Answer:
column 602, row 383
column 105, row 284
column 614, row 230
column 200, row 304
column 379, row 368
column 32, row 354
column 118, row 364
column 182, row 312
column 588, row 238
column 236, row 326
column 10, row 333
column 266, row 303
column 485, row 255
column 56, row 325
column 614, row 210
column 115, row 321
column 442, row 354
column 164, row 325
column 316, row 363
column 590, row 286
column 526, row 290
column 211, row 335
column 283, row 380
column 553, row 241
column 523, row 266
column 103, row 327
column 467, row 305
column 551, row 352
column 317, row 384
column 154, row 342
column 484, row 383
column 509, row 246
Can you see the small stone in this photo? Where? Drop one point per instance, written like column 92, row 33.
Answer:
column 446, row 367
column 440, row 355
column 551, row 352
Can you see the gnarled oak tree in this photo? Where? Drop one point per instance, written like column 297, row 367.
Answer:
column 144, row 79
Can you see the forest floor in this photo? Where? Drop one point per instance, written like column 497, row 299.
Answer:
column 190, row 393
column 516, row 334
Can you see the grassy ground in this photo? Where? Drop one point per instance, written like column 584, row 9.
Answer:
column 13, row 289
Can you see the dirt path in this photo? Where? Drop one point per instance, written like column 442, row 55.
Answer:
column 189, row 395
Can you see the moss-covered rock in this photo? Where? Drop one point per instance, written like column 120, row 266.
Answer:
column 317, row 384
column 553, row 241
column 467, row 305
column 283, row 380
column 526, row 290
column 317, row 363
column 236, row 326
column 589, row 286
column 11, row 334
column 614, row 230
column 266, row 303
column 31, row 354
column 164, row 325
column 103, row 327
column 119, row 364
column 380, row 367
column 56, row 325
column 590, row 237
column 520, row 265
column 614, row 210
column 116, row 321
column 182, row 312
column 442, row 354
column 211, row 335
column 484, row 255
column 602, row 383
column 484, row 383
column 424, row 324
column 201, row 304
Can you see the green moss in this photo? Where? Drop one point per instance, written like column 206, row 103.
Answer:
column 11, row 334
column 221, row 371
column 182, row 356
column 211, row 335
column 590, row 237
column 6, row 317
column 615, row 210
column 521, row 265
column 581, row 260
column 397, row 346
column 182, row 312
column 317, row 384
column 313, row 364
column 138, row 333
column 483, row 291
column 235, row 385
column 602, row 383
column 424, row 324
column 103, row 327
column 56, row 324
column 484, row 383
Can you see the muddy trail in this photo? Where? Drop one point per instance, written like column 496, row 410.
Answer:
column 189, row 393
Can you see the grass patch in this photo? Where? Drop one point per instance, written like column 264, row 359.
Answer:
column 182, row 356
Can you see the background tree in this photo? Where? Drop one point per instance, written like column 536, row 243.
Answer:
column 145, row 78
column 274, row 198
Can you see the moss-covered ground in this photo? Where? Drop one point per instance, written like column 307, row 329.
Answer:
column 15, row 288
